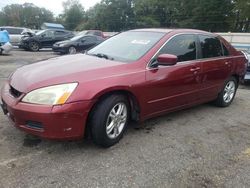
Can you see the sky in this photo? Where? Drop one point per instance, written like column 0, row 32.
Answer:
column 54, row 6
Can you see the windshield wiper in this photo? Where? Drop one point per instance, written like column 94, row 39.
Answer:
column 100, row 55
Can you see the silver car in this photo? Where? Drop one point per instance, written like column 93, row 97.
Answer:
column 15, row 33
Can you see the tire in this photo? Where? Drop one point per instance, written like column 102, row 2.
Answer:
column 34, row 46
column 226, row 96
column 72, row 50
column 109, row 120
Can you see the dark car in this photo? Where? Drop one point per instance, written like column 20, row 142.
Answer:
column 77, row 44
column 44, row 39
column 135, row 75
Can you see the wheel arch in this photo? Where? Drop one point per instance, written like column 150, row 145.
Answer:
column 237, row 77
column 132, row 99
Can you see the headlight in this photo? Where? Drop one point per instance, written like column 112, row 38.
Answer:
column 52, row 95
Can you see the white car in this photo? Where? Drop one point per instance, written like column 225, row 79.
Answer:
column 15, row 33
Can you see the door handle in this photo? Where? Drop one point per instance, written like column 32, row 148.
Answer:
column 195, row 69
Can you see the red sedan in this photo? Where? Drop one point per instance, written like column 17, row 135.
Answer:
column 134, row 75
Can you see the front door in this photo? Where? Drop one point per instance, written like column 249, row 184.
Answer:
column 172, row 87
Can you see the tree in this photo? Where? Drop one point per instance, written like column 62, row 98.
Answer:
column 26, row 15
column 73, row 14
column 242, row 12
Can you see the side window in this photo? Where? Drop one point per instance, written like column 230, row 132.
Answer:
column 14, row 31
column 49, row 34
column 210, row 46
column 183, row 46
column 89, row 40
column 225, row 50
column 59, row 33
column 10, row 31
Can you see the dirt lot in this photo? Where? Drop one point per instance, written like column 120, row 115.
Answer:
column 204, row 146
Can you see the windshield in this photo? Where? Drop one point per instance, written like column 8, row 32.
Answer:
column 128, row 46
column 76, row 38
column 40, row 32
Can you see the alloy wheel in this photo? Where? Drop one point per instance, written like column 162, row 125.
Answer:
column 229, row 91
column 116, row 120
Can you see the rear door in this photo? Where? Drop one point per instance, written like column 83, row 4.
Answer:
column 172, row 87
column 216, row 65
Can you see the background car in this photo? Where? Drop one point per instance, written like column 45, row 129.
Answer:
column 15, row 33
column 44, row 39
column 77, row 44
column 92, row 32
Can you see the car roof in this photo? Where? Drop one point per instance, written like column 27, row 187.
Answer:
column 56, row 30
column 167, row 30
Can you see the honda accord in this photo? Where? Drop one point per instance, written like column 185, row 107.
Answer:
column 135, row 75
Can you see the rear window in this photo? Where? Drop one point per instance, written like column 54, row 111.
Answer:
column 210, row 46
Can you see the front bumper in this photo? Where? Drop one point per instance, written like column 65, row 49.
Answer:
column 61, row 122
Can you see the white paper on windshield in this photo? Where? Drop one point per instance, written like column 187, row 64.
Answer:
column 143, row 42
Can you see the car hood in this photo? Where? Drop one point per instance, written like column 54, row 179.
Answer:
column 64, row 42
column 65, row 69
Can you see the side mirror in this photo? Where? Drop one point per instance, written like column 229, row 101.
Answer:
column 167, row 59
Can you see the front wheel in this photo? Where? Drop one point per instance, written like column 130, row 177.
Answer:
column 109, row 120
column 72, row 50
column 228, row 92
column 34, row 46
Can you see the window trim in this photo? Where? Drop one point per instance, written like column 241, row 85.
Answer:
column 222, row 44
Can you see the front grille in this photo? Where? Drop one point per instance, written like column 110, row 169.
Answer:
column 15, row 93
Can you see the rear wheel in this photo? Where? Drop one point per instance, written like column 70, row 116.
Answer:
column 34, row 46
column 109, row 120
column 228, row 92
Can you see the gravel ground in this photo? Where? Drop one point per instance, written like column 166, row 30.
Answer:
column 203, row 146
